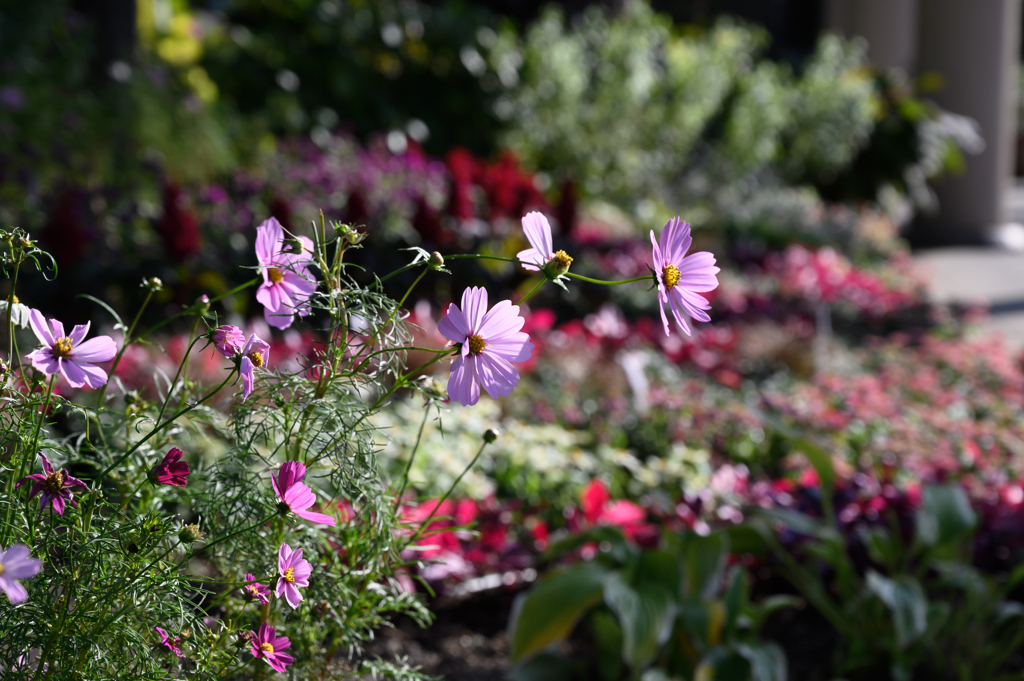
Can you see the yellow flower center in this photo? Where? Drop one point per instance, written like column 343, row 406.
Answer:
column 670, row 273
column 267, row 647
column 276, row 277
column 55, row 481
column 256, row 357
column 289, row 575
column 14, row 299
column 62, row 348
column 563, row 259
column 1, row 568
column 476, row 344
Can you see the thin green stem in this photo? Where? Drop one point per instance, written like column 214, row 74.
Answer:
column 408, row 267
column 484, row 256
column 218, row 540
column 608, row 283
column 532, row 292
column 182, row 367
column 412, row 457
column 426, row 523
column 10, row 309
column 160, row 426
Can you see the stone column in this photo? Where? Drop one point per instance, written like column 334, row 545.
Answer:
column 889, row 26
column 975, row 46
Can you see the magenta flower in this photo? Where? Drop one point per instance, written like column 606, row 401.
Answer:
column 172, row 470
column 681, row 277
column 168, row 642
column 268, row 645
column 15, row 564
column 256, row 591
column 287, row 283
column 55, row 486
column 490, row 341
column 229, row 340
column 68, row 354
column 294, row 493
column 255, row 355
column 293, row 572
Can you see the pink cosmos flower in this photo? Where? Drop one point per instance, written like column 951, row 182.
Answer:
column 229, row 340
column 68, row 354
column 681, row 277
column 268, row 645
column 255, row 354
column 490, row 341
column 15, row 564
column 172, row 470
column 293, row 572
column 256, row 591
column 538, row 233
column 55, row 486
column 287, row 283
column 171, row 643
column 294, row 493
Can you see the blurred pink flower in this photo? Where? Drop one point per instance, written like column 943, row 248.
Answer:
column 15, row 564
column 68, row 354
column 268, row 645
column 293, row 572
column 490, row 341
column 681, row 277
column 294, row 493
column 287, row 284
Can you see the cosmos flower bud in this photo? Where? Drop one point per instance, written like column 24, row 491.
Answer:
column 153, row 284
column 189, row 534
column 203, row 303
column 229, row 340
column 490, row 435
column 436, row 260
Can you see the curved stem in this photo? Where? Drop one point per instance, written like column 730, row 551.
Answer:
column 532, row 292
column 608, row 283
column 483, row 256
column 412, row 457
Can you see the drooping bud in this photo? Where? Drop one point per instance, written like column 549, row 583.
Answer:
column 203, row 303
column 189, row 534
column 152, row 284
column 490, row 435
column 436, row 260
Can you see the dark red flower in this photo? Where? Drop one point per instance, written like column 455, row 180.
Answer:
column 172, row 470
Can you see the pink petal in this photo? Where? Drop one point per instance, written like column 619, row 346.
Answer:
column 279, row 320
column 292, row 472
column 79, row 332
column 453, row 325
column 497, row 376
column 292, row 595
column 269, row 236
column 680, row 319
column 657, row 257
column 514, row 348
column 314, row 517
column 58, row 328
column 72, row 373
column 299, row 497
column 245, row 368
column 462, row 384
column 538, row 233
column 474, row 307
column 94, row 350
column 43, row 360
column 16, row 593
column 662, row 302
column 697, row 272
column 531, row 255
column 40, row 328
column 502, row 319
column 675, row 240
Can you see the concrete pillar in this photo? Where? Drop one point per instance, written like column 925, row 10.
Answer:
column 975, row 46
column 889, row 26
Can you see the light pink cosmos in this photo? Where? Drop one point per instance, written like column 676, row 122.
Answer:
column 169, row 642
column 268, row 645
column 172, row 470
column 54, row 484
column 68, row 355
column 256, row 591
column 293, row 572
column 294, row 493
column 255, row 355
column 15, row 564
column 682, row 277
column 538, row 233
column 229, row 340
column 287, row 283
column 490, row 341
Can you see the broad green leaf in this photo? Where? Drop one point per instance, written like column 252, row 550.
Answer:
column 945, row 514
column 703, row 620
column 906, row 601
column 660, row 567
column 705, row 559
column 767, row 661
column 760, row 612
column 550, row 610
column 621, row 550
column 736, row 595
column 542, row 667
column 608, row 641
column 645, row 614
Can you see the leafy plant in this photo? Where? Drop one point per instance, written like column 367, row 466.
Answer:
column 674, row 611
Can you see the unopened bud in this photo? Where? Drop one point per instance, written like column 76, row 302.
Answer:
column 436, row 260
column 26, row 243
column 154, row 284
column 189, row 534
column 490, row 435
column 203, row 303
